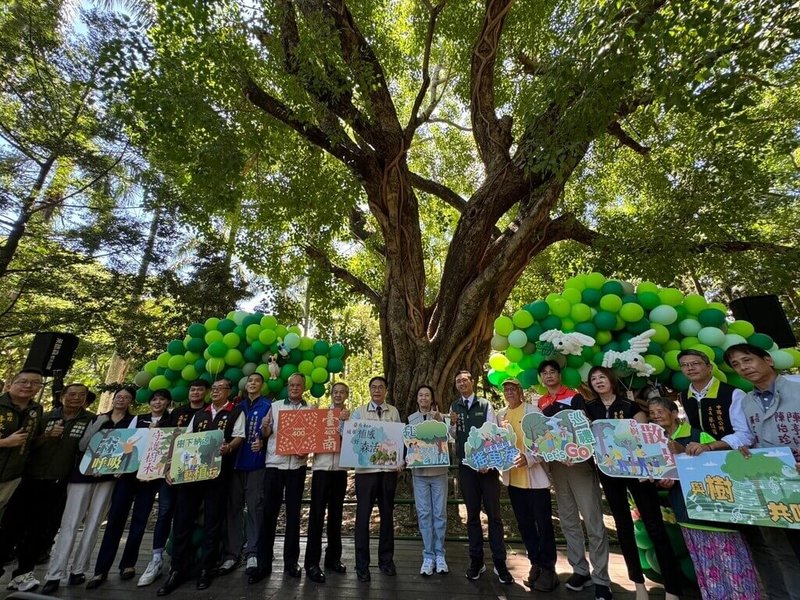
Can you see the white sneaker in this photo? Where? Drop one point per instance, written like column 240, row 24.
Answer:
column 23, row 583
column 251, row 565
column 427, row 567
column 152, row 572
column 441, row 565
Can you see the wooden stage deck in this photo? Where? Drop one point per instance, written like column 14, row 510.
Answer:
column 407, row 585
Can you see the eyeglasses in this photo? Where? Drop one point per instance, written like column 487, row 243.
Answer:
column 689, row 365
column 215, row 388
column 30, row 382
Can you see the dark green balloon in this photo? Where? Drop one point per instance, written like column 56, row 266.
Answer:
column 551, row 322
column 197, row 330
column 539, row 309
column 176, row 347
column 196, row 344
column 226, row 326
column 591, row 296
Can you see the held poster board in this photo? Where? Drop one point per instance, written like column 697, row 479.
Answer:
column 490, row 447
column 306, row 431
column 114, row 452
column 762, row 490
column 372, row 444
column 564, row 437
column 627, row 448
column 157, row 453
column 196, row 457
column 426, row 444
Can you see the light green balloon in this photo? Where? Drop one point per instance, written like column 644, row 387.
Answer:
column 611, row 303
column 213, row 336
column 689, row 327
column 742, row 328
column 711, row 336
column 664, row 314
column 291, row 340
column 522, row 319
column 670, row 296
column 499, row 362
column 571, row 295
column 661, row 336
column 647, row 286
column 781, row 359
column 231, row 340
column 319, row 375
column 320, row 362
column 305, row 367
column 595, row 280
column 695, row 303
column 631, row 312
column 503, row 326
column 517, row 338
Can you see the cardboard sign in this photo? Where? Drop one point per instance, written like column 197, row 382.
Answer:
column 426, row 444
column 564, row 437
column 627, row 448
column 114, row 452
column 372, row 444
column 196, row 457
column 490, row 447
column 725, row 486
column 306, row 431
column 155, row 460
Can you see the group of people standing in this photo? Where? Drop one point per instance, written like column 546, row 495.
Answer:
column 38, row 472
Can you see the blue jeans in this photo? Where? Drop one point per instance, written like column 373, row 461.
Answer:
column 430, row 496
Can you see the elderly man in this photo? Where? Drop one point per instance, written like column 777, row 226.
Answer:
column 19, row 424
column 285, row 477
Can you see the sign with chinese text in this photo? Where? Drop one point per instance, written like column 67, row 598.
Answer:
column 372, row 444
column 306, row 431
column 627, row 448
column 196, row 457
column 114, row 452
column 155, row 459
column 725, row 486
column 490, row 447
column 426, row 444
column 565, row 437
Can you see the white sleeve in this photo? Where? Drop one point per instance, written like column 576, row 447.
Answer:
column 741, row 436
column 490, row 415
column 133, row 423
column 189, row 426
column 239, row 427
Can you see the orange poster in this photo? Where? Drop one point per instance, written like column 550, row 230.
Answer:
column 306, row 431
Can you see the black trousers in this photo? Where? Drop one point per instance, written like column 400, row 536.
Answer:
column 477, row 488
column 327, row 494
column 189, row 497
column 372, row 488
column 31, row 520
column 533, row 509
column 280, row 483
column 645, row 495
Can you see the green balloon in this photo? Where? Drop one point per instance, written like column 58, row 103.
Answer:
column 151, row 366
column 649, row 300
column 689, row 327
column 213, row 336
column 605, row 320
column 762, row 340
column 287, row 370
column 163, row 360
column 320, row 362
column 595, row 281
column 517, row 338
column 680, row 382
column 306, row 344
column 269, row 322
column 570, row 377
column 143, row 395
column 142, row 378
column 234, row 358
column 711, row 336
column 320, row 375
column 496, row 377
column 742, row 328
column 533, row 332
column 560, row 307
column 175, row 347
column 233, row 374
column 267, row 336
column 670, row 296
column 291, row 340
column 275, row 385
column 317, row 390
column 215, row 365
column 611, row 303
column 587, row 328
column 176, row 363
column 305, row 367
column 321, row 347
column 211, row 323
column 571, row 295
column 231, row 340
column 189, row 373
column 337, row 351
column 591, row 296
column 539, row 309
column 514, row 354
column 664, row 314
column 612, row 287
column 551, row 322
column 503, row 326
column 226, row 326
column 574, row 361
column 581, row 312
column 711, row 317
column 522, row 319
column 631, row 312
column 335, row 365
column 217, row 349
column 159, row 382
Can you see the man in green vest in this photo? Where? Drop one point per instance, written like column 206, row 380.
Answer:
column 478, row 487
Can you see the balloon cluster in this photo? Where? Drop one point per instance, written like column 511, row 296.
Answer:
column 638, row 331
column 235, row 347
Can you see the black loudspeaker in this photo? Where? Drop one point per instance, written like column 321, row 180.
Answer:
column 52, row 351
column 767, row 316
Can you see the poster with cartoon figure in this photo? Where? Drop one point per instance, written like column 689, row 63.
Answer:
column 196, row 457
column 762, row 490
column 155, row 459
column 114, row 452
column 627, row 448
column 372, row 444
column 426, row 444
column 490, row 447
column 564, row 437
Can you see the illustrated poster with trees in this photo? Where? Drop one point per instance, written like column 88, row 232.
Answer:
column 196, row 457
column 372, row 444
column 762, row 490
column 114, row 452
column 426, row 444
column 155, row 460
column 565, row 437
column 627, row 448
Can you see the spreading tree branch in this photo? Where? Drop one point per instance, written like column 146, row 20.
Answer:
column 439, row 190
column 355, row 284
column 414, row 120
column 616, row 130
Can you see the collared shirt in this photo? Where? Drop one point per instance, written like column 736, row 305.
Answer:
column 280, row 461
column 563, row 396
column 765, row 396
column 741, row 435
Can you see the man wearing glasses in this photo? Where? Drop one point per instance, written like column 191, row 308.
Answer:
column 19, row 422
column 712, row 406
column 212, row 493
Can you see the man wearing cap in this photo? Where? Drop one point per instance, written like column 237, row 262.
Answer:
column 577, row 495
column 477, row 488
column 529, row 492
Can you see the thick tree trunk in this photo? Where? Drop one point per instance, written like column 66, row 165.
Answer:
column 117, row 370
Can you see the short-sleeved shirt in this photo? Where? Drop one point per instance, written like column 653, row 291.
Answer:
column 621, row 408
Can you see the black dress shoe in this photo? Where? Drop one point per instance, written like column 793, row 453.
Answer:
column 389, row 569
column 336, row 568
column 293, row 571
column 204, row 580
column 96, row 581
column 50, row 586
column 78, row 579
column 128, row 573
column 259, row 574
column 315, row 574
column 173, row 582
column 363, row 575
